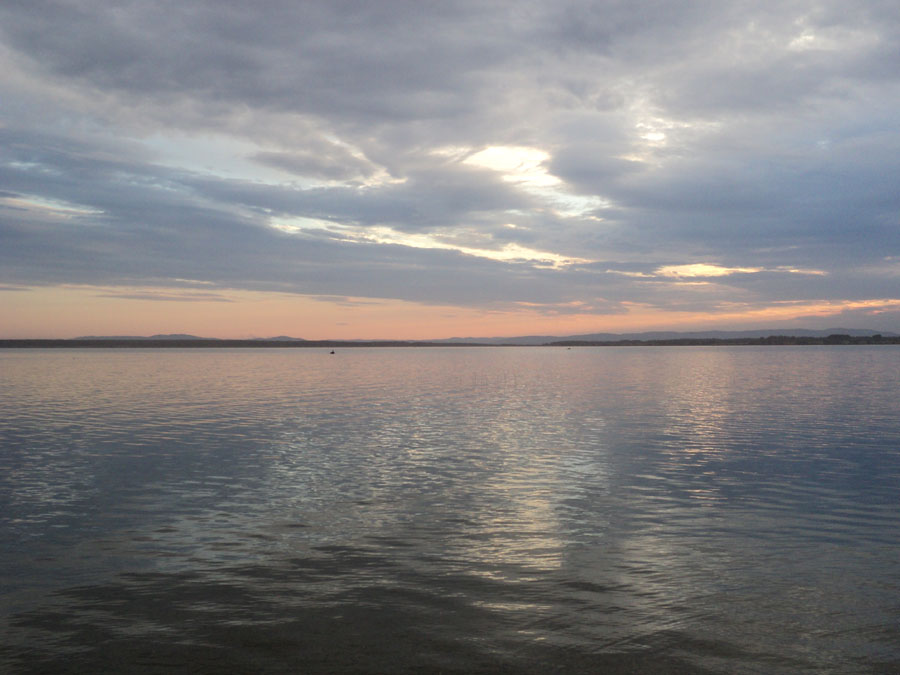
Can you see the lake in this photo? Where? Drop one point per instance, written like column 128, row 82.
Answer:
column 524, row 510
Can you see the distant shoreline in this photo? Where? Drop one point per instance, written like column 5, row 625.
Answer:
column 211, row 343
column 208, row 343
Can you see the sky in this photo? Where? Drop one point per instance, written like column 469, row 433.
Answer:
column 412, row 170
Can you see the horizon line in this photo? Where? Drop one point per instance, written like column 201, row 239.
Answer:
column 287, row 338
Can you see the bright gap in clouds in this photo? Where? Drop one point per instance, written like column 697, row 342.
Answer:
column 49, row 207
column 704, row 270
column 293, row 225
column 219, row 155
column 234, row 158
column 520, row 165
column 509, row 253
column 711, row 270
column 526, row 167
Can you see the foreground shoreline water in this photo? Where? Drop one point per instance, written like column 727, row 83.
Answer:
column 719, row 510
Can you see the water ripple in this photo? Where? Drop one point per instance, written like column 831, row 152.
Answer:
column 530, row 510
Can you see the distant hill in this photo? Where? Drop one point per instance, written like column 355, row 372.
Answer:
column 668, row 335
column 728, row 334
column 544, row 339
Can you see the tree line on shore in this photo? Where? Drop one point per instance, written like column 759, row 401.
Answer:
column 834, row 339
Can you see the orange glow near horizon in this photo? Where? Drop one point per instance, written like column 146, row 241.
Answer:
column 72, row 311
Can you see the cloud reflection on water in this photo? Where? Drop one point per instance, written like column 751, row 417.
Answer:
column 567, row 503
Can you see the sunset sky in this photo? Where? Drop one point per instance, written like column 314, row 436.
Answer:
column 410, row 169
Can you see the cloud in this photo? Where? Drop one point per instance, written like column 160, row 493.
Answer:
column 703, row 270
column 580, row 154
column 159, row 296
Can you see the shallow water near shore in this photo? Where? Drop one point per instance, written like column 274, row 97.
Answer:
column 723, row 509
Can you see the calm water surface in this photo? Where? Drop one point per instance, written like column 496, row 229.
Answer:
column 727, row 510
